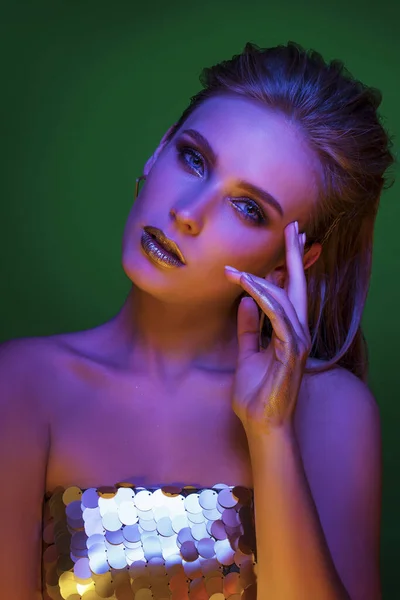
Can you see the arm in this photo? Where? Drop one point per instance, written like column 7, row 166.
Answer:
column 24, row 440
column 317, row 499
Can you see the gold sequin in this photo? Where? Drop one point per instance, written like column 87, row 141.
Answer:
column 128, row 542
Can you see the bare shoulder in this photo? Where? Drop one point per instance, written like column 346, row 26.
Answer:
column 18, row 357
column 38, row 350
column 337, row 382
column 25, row 363
column 333, row 396
column 336, row 379
column 22, row 369
column 26, row 354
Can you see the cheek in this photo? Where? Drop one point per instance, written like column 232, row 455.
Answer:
column 242, row 256
column 165, row 176
column 252, row 254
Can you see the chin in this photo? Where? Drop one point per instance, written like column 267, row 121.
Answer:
column 148, row 277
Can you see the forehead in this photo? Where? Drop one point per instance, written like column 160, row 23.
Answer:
column 260, row 146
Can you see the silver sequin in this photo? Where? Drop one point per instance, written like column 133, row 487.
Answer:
column 135, row 543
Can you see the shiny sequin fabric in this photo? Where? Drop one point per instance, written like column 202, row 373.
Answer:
column 138, row 543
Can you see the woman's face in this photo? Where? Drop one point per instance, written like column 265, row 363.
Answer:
column 194, row 193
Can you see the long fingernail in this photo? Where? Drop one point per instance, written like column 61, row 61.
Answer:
column 250, row 279
column 231, row 269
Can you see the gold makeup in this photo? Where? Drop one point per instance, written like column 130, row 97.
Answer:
column 157, row 253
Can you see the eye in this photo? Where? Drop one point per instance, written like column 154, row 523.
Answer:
column 194, row 160
column 257, row 217
column 190, row 157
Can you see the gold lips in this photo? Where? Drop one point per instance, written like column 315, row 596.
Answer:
column 168, row 244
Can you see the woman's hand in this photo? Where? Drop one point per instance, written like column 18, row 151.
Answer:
column 267, row 380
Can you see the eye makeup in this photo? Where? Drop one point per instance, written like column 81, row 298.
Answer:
column 189, row 155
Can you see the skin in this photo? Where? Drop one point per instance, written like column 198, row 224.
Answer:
column 175, row 321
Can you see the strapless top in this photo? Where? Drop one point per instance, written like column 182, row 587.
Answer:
column 138, row 543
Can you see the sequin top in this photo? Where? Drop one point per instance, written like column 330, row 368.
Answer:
column 139, row 543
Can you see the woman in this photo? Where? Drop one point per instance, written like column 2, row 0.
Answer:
column 235, row 370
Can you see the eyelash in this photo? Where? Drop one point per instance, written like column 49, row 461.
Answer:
column 183, row 149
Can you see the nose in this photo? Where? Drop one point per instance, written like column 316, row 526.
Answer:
column 186, row 220
column 189, row 214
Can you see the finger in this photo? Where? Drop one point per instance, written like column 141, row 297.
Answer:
column 260, row 289
column 280, row 311
column 248, row 328
column 296, row 284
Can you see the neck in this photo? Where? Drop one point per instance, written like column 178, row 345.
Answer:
column 169, row 340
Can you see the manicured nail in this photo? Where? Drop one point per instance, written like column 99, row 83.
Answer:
column 231, row 269
column 248, row 277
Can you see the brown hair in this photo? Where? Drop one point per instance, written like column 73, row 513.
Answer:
column 338, row 117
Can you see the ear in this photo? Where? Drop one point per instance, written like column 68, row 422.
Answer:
column 279, row 274
column 150, row 162
column 312, row 255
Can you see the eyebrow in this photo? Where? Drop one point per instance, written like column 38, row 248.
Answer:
column 244, row 185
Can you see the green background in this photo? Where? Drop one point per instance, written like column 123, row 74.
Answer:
column 88, row 89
